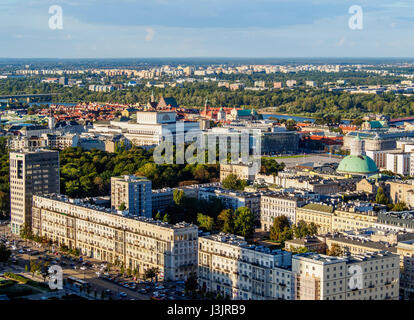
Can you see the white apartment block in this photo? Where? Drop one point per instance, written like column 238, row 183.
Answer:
column 30, row 173
column 229, row 266
column 137, row 242
column 135, row 193
column 273, row 205
column 369, row 276
column 379, row 157
column 398, row 163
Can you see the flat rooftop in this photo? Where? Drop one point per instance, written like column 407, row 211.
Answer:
column 85, row 204
column 238, row 241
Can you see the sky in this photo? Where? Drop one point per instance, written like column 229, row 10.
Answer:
column 205, row 28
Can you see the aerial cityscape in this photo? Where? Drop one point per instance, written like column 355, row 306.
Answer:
column 190, row 177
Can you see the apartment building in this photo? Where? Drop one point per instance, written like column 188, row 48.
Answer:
column 232, row 199
column 228, row 265
column 318, row 213
column 398, row 162
column 162, row 199
column 273, row 205
column 314, row 244
column 47, row 140
column 347, row 218
column 369, row 276
column 401, row 191
column 351, row 245
column 134, row 193
column 31, row 172
column 405, row 249
column 395, row 221
column 137, row 242
column 244, row 172
column 310, row 183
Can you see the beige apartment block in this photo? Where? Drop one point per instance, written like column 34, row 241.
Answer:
column 348, row 219
column 369, row 276
column 350, row 245
column 320, row 214
column 137, row 242
column 401, row 191
column 244, row 172
column 406, row 251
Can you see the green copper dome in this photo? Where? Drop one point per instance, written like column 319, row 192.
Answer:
column 357, row 165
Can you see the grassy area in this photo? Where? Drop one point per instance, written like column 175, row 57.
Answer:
column 13, row 289
column 4, row 283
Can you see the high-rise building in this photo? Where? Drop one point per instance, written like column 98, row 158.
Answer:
column 133, row 194
column 31, row 172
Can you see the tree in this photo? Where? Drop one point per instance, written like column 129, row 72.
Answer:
column 312, row 228
column 178, row 196
column 300, row 250
column 303, row 229
column 158, row 216
column 151, row 273
column 381, row 197
column 166, row 218
column 191, row 284
column 26, row 231
column 232, row 182
column 400, row 206
column 279, row 230
column 226, row 221
column 122, row 206
column 334, row 251
column 4, row 253
column 244, row 222
column 35, row 267
column 205, row 222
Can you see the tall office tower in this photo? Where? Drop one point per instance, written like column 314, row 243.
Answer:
column 31, row 172
column 133, row 194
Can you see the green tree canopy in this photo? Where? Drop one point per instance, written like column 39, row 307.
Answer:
column 244, row 222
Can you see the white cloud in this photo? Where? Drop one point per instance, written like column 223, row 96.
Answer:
column 150, row 34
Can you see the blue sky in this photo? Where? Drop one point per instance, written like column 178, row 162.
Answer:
column 206, row 28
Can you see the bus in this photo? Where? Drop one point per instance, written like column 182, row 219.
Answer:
column 78, row 282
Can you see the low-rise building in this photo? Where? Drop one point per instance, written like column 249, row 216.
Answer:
column 311, row 244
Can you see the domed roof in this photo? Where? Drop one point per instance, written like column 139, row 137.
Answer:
column 357, row 165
